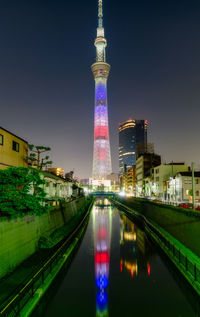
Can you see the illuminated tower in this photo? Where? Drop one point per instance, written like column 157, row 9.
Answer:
column 100, row 70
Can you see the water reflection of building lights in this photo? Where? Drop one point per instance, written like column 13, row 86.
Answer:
column 149, row 269
column 130, row 236
column 102, row 257
column 129, row 266
column 135, row 251
column 102, row 230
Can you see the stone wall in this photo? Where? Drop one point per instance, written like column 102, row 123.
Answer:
column 19, row 238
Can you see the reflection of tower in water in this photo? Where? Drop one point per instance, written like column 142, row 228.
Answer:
column 135, row 252
column 102, row 232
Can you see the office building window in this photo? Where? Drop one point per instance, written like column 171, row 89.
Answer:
column 15, row 146
column 1, row 139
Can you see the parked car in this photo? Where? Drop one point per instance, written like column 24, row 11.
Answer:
column 186, row 206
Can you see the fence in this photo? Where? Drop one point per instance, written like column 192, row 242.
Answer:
column 189, row 266
column 18, row 302
column 186, row 262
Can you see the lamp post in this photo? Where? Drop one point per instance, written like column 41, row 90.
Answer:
column 193, row 187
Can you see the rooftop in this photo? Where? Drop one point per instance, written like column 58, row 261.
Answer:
column 13, row 134
column 189, row 173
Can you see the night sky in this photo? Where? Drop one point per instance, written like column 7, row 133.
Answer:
column 47, row 87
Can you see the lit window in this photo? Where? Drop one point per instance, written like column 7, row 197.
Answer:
column 15, row 146
column 187, row 191
column 1, row 139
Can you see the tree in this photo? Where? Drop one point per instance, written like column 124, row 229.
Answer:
column 35, row 159
column 21, row 192
column 190, row 192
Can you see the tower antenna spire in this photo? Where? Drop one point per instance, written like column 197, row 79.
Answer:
column 100, row 13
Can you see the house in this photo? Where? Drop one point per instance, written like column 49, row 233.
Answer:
column 13, row 150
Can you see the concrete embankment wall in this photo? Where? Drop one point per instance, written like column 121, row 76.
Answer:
column 19, row 237
column 184, row 259
column 183, row 225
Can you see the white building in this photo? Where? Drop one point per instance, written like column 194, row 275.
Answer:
column 57, row 187
column 181, row 187
column 161, row 176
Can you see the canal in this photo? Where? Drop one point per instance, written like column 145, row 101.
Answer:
column 118, row 271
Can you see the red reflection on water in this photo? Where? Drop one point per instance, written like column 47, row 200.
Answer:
column 103, row 233
column 101, row 257
column 132, row 273
column 121, row 266
column 149, row 269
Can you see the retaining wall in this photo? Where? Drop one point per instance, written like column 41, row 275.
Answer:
column 19, row 237
column 184, row 259
column 183, row 225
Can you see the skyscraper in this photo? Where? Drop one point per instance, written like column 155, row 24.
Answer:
column 131, row 134
column 100, row 70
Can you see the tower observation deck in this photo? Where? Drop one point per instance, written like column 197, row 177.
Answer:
column 100, row 70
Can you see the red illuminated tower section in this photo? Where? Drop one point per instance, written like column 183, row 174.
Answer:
column 101, row 69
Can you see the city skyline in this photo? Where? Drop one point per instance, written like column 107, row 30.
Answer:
column 42, row 67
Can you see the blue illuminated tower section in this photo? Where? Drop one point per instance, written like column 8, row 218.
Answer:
column 101, row 69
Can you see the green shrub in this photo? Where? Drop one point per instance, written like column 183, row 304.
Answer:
column 21, row 192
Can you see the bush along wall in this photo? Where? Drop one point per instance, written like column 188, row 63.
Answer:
column 21, row 192
column 63, row 232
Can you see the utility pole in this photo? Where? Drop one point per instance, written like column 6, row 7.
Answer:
column 193, row 187
column 172, row 180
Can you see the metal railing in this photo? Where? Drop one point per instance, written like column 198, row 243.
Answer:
column 189, row 265
column 18, row 302
column 186, row 261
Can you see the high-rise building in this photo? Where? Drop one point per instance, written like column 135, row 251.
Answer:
column 142, row 148
column 131, row 133
column 100, row 70
column 144, row 167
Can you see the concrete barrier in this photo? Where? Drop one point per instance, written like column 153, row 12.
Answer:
column 19, row 237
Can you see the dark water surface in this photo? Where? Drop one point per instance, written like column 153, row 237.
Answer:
column 117, row 271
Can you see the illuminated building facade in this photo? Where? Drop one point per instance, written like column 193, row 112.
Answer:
column 128, row 180
column 144, row 167
column 161, row 175
column 100, row 70
column 131, row 133
column 57, row 171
